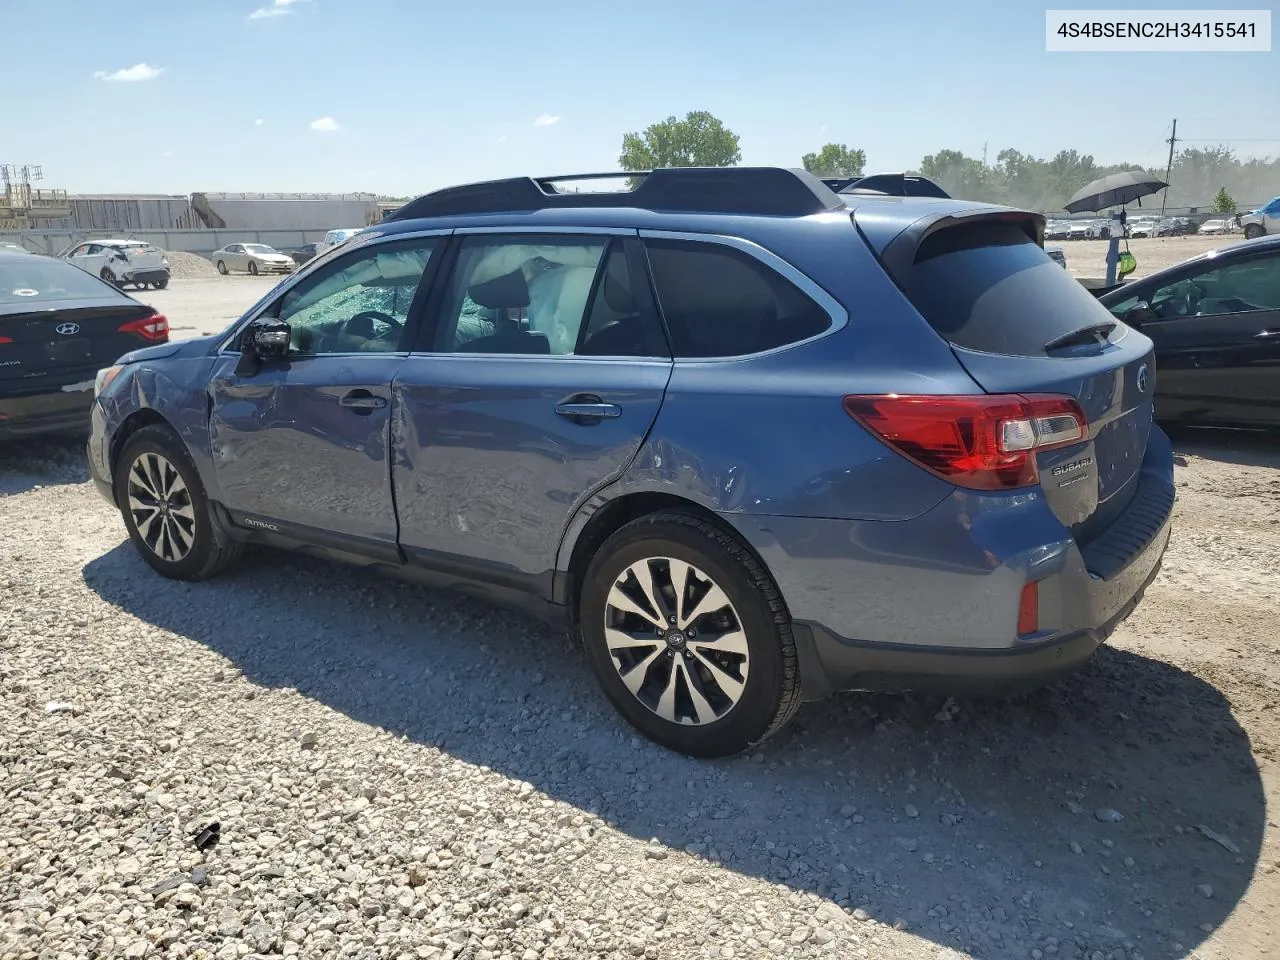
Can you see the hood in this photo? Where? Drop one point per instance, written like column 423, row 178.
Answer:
column 195, row 347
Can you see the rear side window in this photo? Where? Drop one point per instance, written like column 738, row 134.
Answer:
column 721, row 302
column 990, row 287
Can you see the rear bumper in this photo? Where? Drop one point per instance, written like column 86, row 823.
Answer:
column 148, row 276
column 56, row 410
column 933, row 602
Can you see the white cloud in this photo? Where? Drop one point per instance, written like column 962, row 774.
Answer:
column 503, row 138
column 167, row 153
column 259, row 122
column 134, row 74
column 278, row 8
column 545, row 120
column 325, row 125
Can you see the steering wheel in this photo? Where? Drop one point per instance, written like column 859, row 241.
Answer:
column 396, row 326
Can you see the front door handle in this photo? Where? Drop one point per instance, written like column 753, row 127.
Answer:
column 363, row 401
column 588, row 409
column 1267, row 335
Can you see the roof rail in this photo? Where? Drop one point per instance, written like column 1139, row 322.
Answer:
column 753, row 191
column 889, row 185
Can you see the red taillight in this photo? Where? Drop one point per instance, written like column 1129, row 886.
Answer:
column 6, row 339
column 154, row 327
column 1029, row 609
column 985, row 442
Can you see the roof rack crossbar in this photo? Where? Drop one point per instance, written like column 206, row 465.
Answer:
column 750, row 191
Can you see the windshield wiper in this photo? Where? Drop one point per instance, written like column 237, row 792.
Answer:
column 1094, row 333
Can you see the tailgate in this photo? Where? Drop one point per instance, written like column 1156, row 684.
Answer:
column 66, row 337
column 1021, row 325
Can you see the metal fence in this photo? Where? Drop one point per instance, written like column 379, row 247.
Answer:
column 54, row 242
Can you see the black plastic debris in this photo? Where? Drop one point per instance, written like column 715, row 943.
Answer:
column 207, row 837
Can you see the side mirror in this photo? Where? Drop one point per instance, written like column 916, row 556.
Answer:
column 266, row 339
column 1140, row 312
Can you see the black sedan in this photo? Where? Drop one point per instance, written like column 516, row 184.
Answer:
column 1215, row 321
column 58, row 327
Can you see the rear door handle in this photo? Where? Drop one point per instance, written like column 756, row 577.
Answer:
column 588, row 409
column 362, row 400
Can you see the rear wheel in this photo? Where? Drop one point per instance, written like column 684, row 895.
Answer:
column 162, row 283
column 1252, row 231
column 222, row 268
column 110, row 277
column 253, row 268
column 165, row 508
column 686, row 632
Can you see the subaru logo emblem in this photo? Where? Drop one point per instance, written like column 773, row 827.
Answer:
column 1144, row 379
column 68, row 329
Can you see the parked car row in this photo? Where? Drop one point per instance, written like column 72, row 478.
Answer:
column 1137, row 226
column 259, row 258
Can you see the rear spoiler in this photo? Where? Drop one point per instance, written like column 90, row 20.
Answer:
column 899, row 254
column 888, row 185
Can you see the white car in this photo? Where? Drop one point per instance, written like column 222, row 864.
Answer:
column 252, row 258
column 121, row 261
column 1213, row 227
column 336, row 237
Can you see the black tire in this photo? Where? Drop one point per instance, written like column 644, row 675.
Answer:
column 222, row 268
column 210, row 551
column 110, row 277
column 161, row 283
column 1252, row 231
column 771, row 691
column 253, row 268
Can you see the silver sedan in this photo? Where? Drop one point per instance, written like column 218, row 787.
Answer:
column 253, row 258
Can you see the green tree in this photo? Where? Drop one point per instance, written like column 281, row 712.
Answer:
column 1223, row 203
column 699, row 140
column 835, row 160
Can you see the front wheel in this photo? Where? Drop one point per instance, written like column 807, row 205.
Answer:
column 688, row 636
column 165, row 510
column 222, row 268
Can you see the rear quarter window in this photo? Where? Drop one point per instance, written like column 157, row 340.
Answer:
column 722, row 302
column 990, row 287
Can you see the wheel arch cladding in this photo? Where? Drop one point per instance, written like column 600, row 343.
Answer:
column 138, row 420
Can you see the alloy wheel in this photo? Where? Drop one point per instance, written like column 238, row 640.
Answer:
column 676, row 641
column 161, row 507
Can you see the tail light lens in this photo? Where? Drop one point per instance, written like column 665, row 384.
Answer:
column 6, row 339
column 984, row 442
column 154, row 327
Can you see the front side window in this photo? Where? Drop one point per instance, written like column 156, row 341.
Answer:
column 533, row 295
column 359, row 304
column 1242, row 287
column 722, row 302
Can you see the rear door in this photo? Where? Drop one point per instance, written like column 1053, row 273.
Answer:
column 89, row 257
column 535, row 386
column 1216, row 328
column 1020, row 324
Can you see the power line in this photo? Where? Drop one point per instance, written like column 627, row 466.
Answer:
column 1230, row 139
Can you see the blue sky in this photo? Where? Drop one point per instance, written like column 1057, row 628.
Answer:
column 420, row 94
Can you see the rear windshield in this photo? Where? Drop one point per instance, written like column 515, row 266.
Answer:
column 990, row 287
column 27, row 279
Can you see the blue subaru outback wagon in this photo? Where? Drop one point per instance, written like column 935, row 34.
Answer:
column 754, row 440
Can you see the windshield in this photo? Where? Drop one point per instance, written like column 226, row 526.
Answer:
column 35, row 279
column 259, row 248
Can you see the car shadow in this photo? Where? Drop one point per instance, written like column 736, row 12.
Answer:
column 1246, row 448
column 42, row 461
column 1066, row 820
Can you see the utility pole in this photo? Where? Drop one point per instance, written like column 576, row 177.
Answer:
column 984, row 154
column 1173, row 138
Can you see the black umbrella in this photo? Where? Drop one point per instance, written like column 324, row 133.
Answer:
column 1115, row 191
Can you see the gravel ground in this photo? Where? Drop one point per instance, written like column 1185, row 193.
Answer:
column 400, row 773
column 199, row 307
column 1088, row 258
